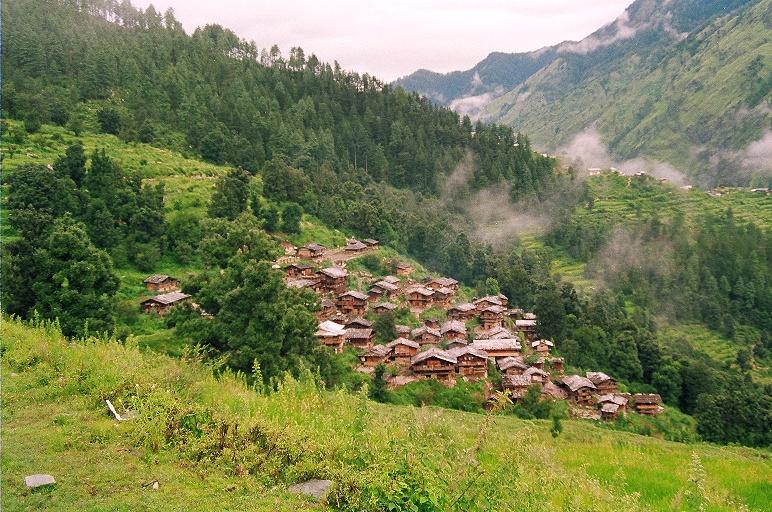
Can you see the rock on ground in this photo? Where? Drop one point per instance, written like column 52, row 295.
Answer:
column 313, row 488
column 34, row 481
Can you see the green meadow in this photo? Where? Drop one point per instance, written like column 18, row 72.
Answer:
column 213, row 442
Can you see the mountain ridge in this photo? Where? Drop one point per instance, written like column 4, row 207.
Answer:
column 581, row 81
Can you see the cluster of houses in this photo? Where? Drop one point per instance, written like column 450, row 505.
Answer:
column 475, row 336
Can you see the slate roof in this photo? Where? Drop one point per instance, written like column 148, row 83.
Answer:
column 404, row 341
column 418, row 331
column 354, row 293
column 358, row 334
column 453, row 325
column 617, row 399
column 644, row 398
column 549, row 344
column 509, row 362
column 501, row 344
column 436, row 353
column 157, row 278
column 576, row 382
column 598, row 377
column 516, row 381
column 334, row 272
column 385, row 305
column 355, row 245
column 525, row 323
column 330, row 328
column 461, row 351
column 358, row 323
column 168, row 298
column 464, row 307
column 378, row 351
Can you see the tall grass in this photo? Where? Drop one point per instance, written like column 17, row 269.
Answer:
column 380, row 457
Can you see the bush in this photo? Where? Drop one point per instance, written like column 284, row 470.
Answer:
column 109, row 120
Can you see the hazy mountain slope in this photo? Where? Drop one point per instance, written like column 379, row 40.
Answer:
column 707, row 98
column 467, row 91
column 646, row 23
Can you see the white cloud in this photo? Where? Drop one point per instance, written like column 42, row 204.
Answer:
column 394, row 38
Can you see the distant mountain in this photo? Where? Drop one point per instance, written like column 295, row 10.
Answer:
column 682, row 81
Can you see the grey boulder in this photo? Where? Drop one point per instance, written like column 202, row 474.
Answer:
column 313, row 488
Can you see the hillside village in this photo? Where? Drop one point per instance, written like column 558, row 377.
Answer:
column 467, row 340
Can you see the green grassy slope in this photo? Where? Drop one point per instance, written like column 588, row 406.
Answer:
column 702, row 99
column 196, row 433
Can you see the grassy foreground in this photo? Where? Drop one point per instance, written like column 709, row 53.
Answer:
column 213, row 443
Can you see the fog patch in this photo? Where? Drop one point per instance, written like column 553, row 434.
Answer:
column 473, row 105
column 758, row 155
column 587, row 151
column 625, row 251
column 619, row 30
column 491, row 216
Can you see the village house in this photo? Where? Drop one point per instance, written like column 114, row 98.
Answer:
column 384, row 307
column 355, row 246
column 539, row 363
column 378, row 354
column 462, row 312
column 492, row 317
column 486, row 302
column 527, row 327
column 537, row 375
column 603, row 383
column 370, row 242
column 556, row 364
column 333, row 280
column 434, row 364
column 650, row 404
column 312, row 251
column 358, row 323
column 402, row 351
column 442, row 297
column 580, row 389
column 403, row 269
column 499, row 348
column 516, row 386
column 542, row 347
column 328, row 309
column 426, row 335
column 419, row 298
column 352, row 302
column 296, row 270
column 391, row 279
column 453, row 330
column 471, row 363
column 511, row 365
column 161, row 283
column 161, row 304
column 382, row 289
column 611, row 406
column 331, row 335
column 435, row 283
column 359, row 338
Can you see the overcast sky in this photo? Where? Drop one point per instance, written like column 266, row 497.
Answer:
column 392, row 38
